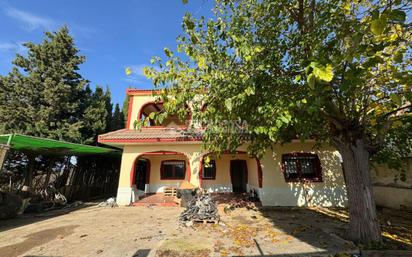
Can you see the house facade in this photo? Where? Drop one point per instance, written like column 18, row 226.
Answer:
column 158, row 157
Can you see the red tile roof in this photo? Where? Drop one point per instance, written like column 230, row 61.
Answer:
column 135, row 91
column 150, row 134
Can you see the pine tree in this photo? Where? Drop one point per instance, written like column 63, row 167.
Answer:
column 97, row 114
column 125, row 107
column 42, row 94
column 45, row 96
column 117, row 119
column 109, row 110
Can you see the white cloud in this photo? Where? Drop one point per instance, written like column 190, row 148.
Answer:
column 30, row 20
column 137, row 76
column 12, row 47
column 134, row 80
column 137, row 69
column 7, row 46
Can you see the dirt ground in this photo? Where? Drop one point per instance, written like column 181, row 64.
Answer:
column 154, row 231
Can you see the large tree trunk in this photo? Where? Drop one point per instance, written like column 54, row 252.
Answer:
column 363, row 221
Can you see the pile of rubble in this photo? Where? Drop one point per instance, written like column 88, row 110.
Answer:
column 111, row 202
column 200, row 208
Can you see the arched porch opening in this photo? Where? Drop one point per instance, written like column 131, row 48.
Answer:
column 232, row 165
column 147, row 175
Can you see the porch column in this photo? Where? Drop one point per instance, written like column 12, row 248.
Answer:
column 124, row 190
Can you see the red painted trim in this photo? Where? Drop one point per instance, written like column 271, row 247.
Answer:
column 172, row 160
column 129, row 112
column 132, row 174
column 133, row 170
column 134, row 91
column 148, row 140
column 318, row 167
column 164, row 152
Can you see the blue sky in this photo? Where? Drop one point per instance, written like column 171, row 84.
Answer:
column 112, row 35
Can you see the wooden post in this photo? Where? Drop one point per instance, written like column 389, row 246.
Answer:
column 28, row 176
column 3, row 152
column 49, row 171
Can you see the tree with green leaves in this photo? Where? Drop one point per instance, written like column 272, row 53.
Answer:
column 42, row 94
column 336, row 71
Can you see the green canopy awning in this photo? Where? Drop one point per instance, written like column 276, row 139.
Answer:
column 51, row 147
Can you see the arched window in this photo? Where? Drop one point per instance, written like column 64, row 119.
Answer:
column 171, row 121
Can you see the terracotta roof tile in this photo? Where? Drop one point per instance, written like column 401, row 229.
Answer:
column 150, row 134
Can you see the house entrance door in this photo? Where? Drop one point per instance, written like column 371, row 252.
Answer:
column 238, row 174
column 140, row 174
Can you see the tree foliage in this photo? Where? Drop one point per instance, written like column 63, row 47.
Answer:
column 118, row 120
column 322, row 70
column 337, row 71
column 125, row 107
column 97, row 114
column 44, row 94
column 41, row 95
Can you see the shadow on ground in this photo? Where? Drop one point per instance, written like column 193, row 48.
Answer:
column 141, row 253
column 31, row 218
column 322, row 233
column 316, row 225
column 396, row 225
column 36, row 239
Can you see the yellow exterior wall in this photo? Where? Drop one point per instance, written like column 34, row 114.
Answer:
column 155, row 163
column 330, row 192
column 384, row 176
column 223, row 180
column 138, row 102
column 131, row 152
column 252, row 172
column 393, row 197
column 388, row 187
column 275, row 191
